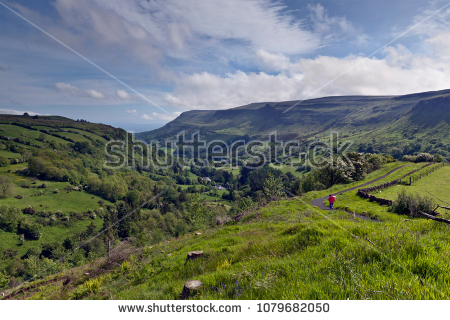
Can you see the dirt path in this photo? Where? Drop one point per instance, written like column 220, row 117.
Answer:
column 319, row 202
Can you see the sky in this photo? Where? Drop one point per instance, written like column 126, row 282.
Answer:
column 138, row 64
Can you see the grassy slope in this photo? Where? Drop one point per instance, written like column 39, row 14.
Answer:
column 46, row 199
column 435, row 185
column 365, row 207
column 289, row 250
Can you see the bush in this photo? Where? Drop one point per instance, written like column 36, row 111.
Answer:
column 4, row 280
column 3, row 161
column 29, row 210
column 33, row 251
column 424, row 157
column 412, row 204
column 408, row 158
column 30, row 230
column 6, row 187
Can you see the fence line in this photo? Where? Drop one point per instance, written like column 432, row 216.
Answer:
column 366, row 192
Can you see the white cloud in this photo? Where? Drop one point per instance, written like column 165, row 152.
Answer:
column 75, row 91
column 334, row 28
column 146, row 117
column 276, row 61
column 400, row 72
column 209, row 91
column 149, row 30
column 133, row 112
column 123, row 94
column 95, row 94
column 67, row 87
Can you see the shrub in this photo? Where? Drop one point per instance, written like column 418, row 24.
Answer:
column 3, row 161
column 412, row 204
column 408, row 158
column 4, row 280
column 29, row 210
column 424, row 157
column 30, row 230
column 33, row 251
column 220, row 220
column 6, row 187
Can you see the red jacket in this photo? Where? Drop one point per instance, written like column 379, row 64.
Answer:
column 331, row 199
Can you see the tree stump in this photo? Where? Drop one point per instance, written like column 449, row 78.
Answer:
column 193, row 255
column 190, row 287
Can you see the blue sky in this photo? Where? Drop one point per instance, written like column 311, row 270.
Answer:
column 172, row 56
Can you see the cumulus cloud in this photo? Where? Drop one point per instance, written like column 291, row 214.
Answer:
column 75, row 91
column 399, row 72
column 123, row 94
column 67, row 87
column 276, row 61
column 133, row 112
column 95, row 94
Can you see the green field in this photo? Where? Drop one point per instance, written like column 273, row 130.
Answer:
column 9, row 154
column 435, row 185
column 287, row 168
column 75, row 137
column 89, row 134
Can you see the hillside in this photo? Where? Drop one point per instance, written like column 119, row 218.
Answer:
column 70, row 228
column 411, row 123
column 286, row 250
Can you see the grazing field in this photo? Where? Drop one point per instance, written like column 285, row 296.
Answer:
column 9, row 154
column 435, row 185
column 287, row 168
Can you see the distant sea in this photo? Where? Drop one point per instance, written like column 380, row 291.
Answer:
column 137, row 127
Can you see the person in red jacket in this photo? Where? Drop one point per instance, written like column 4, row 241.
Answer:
column 331, row 200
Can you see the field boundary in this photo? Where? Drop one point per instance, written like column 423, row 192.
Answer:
column 366, row 192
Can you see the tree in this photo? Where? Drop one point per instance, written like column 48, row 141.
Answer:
column 196, row 210
column 124, row 227
column 439, row 158
column 26, row 155
column 10, row 218
column 4, row 161
column 329, row 175
column 42, row 137
column 4, row 280
column 273, row 187
column 6, row 187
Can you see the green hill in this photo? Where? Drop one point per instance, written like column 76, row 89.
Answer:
column 285, row 250
column 412, row 123
column 70, row 228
